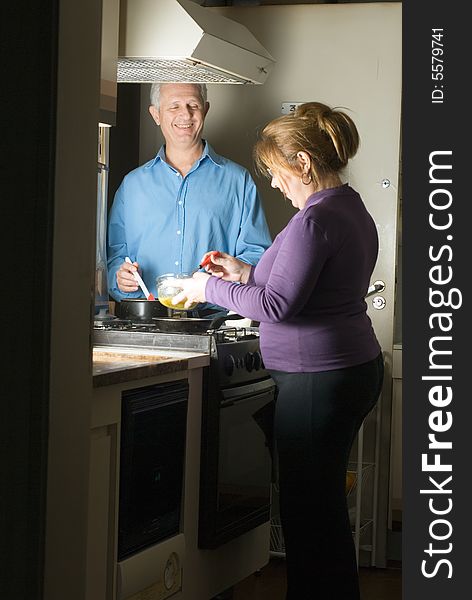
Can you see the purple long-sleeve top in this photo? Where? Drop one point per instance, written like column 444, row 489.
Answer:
column 308, row 288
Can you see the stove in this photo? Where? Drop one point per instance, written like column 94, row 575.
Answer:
column 234, row 351
column 238, row 397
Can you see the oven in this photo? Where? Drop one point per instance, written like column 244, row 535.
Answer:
column 236, row 433
column 152, row 458
column 236, row 460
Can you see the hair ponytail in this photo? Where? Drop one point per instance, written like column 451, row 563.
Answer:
column 328, row 136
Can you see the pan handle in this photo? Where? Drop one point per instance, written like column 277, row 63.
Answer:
column 218, row 321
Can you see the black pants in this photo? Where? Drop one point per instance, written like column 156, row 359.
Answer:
column 317, row 417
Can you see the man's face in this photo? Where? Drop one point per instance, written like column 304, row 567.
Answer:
column 181, row 114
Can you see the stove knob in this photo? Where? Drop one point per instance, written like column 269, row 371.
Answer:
column 257, row 360
column 229, row 364
column 249, row 361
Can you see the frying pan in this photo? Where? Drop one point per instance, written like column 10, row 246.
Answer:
column 191, row 325
column 139, row 309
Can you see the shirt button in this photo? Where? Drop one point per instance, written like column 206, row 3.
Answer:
column 180, row 202
column 178, row 232
column 176, row 263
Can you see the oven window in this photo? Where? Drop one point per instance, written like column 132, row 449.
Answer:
column 244, row 460
column 153, row 434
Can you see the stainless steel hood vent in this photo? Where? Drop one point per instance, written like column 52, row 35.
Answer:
column 180, row 41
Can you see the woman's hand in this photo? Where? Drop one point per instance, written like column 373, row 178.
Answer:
column 193, row 290
column 227, row 267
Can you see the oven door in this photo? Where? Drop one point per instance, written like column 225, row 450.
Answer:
column 235, row 495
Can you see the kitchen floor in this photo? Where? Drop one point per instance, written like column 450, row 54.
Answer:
column 269, row 583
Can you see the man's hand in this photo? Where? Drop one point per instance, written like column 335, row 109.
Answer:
column 125, row 278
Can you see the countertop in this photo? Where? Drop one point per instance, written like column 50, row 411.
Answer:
column 112, row 365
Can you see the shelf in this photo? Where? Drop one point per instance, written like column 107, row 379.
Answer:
column 277, row 543
column 352, row 479
column 365, row 523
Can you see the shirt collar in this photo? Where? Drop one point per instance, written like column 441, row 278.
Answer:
column 325, row 193
column 212, row 155
column 207, row 152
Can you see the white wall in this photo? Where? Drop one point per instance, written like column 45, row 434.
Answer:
column 344, row 55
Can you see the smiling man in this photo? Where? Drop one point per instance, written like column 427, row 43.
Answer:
column 186, row 201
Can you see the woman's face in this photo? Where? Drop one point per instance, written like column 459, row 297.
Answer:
column 291, row 186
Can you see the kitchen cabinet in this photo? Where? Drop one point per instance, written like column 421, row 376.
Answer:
column 175, row 567
column 102, row 475
column 112, row 377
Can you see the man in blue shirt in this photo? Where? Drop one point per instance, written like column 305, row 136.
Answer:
column 186, row 201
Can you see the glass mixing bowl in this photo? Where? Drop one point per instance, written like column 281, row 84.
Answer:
column 168, row 286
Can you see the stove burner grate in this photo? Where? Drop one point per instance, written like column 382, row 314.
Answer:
column 235, row 334
column 124, row 325
column 224, row 335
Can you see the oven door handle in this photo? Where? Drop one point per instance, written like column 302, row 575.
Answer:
column 247, row 391
column 241, row 399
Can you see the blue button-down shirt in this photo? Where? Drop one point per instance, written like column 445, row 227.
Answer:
column 166, row 222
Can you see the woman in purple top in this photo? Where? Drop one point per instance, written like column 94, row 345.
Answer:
column 317, row 341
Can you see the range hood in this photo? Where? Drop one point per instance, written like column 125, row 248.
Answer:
column 180, row 41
